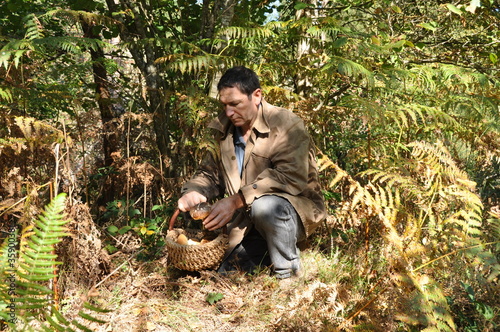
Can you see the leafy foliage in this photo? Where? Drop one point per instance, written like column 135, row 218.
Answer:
column 29, row 142
column 428, row 211
column 214, row 297
column 28, row 296
column 400, row 96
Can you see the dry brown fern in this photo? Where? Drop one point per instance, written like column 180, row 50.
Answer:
column 426, row 210
column 27, row 154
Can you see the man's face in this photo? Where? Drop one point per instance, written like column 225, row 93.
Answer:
column 239, row 108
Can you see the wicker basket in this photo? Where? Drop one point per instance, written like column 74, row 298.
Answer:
column 194, row 257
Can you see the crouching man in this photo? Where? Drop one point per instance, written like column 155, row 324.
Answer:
column 265, row 169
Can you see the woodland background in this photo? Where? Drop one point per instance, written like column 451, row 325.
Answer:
column 106, row 102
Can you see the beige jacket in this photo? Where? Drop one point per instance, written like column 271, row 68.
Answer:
column 279, row 160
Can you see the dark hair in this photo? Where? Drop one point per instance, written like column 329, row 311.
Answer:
column 240, row 77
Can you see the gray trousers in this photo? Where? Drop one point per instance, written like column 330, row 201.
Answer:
column 272, row 241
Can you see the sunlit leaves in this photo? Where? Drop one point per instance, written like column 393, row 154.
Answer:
column 349, row 68
column 34, row 28
column 432, row 26
column 194, row 64
column 244, row 32
column 6, row 95
column 302, row 5
column 493, row 58
column 452, row 8
column 13, row 52
column 76, row 16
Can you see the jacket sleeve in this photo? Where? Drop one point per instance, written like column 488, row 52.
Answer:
column 285, row 164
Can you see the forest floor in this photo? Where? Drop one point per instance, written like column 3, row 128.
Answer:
column 344, row 286
column 151, row 295
column 148, row 296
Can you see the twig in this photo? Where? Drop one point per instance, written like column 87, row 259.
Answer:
column 452, row 253
column 13, row 205
column 115, row 270
column 128, row 170
column 366, row 305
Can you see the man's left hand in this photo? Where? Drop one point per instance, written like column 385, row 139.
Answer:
column 222, row 212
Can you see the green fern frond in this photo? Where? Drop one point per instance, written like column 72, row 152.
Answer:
column 276, row 25
column 488, row 255
column 196, row 64
column 472, row 108
column 427, row 305
column 494, row 228
column 350, row 69
column 372, row 112
column 90, row 317
column 244, row 32
column 170, row 46
column 463, row 76
column 404, row 116
column 5, row 94
column 34, row 28
column 247, row 42
column 13, row 51
column 326, row 31
column 74, row 44
column 422, row 78
column 422, row 115
column 36, row 260
column 30, row 298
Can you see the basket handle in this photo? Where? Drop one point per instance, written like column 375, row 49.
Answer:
column 172, row 220
column 176, row 214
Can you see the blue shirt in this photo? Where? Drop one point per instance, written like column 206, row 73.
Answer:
column 239, row 148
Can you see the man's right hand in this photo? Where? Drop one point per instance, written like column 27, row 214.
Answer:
column 190, row 200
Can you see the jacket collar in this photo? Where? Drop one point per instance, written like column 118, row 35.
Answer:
column 261, row 124
column 223, row 124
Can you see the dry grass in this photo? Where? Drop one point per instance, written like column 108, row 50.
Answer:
column 345, row 288
column 341, row 291
column 147, row 296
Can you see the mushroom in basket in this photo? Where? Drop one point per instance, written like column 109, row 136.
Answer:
column 200, row 212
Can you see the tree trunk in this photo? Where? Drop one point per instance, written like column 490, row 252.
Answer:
column 219, row 15
column 110, row 139
column 144, row 55
column 304, row 51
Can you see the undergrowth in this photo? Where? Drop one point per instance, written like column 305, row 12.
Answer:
column 28, row 300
